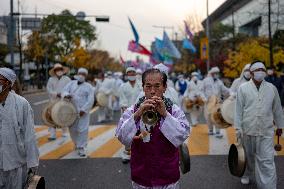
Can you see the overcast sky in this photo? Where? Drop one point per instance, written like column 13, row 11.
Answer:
column 114, row 36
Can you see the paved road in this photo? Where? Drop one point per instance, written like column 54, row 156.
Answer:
column 103, row 167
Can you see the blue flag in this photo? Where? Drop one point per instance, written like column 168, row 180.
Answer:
column 169, row 49
column 188, row 45
column 136, row 36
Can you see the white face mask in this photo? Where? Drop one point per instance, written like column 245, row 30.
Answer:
column 80, row 78
column 259, row 75
column 247, row 75
column 59, row 73
column 194, row 78
column 131, row 78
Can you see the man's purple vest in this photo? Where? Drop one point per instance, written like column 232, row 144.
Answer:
column 154, row 163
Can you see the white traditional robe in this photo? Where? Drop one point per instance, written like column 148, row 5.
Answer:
column 55, row 86
column 128, row 94
column 18, row 146
column 237, row 83
column 116, row 92
column 83, row 98
column 192, row 92
column 254, row 115
column 107, row 87
column 213, row 88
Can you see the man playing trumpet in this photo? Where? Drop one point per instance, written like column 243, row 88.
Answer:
column 154, row 147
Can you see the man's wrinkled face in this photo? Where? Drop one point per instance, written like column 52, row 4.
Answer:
column 154, row 85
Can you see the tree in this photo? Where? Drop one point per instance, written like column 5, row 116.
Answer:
column 248, row 51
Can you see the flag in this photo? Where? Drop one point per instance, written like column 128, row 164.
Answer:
column 137, row 48
column 188, row 45
column 136, row 36
column 188, row 32
column 169, row 49
column 121, row 60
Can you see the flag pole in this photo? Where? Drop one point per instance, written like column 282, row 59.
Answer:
column 208, row 35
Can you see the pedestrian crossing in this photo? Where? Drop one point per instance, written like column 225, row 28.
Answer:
column 103, row 144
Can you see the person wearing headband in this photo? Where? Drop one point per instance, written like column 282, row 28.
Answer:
column 213, row 86
column 258, row 111
column 81, row 93
column 128, row 94
column 18, row 146
column 244, row 77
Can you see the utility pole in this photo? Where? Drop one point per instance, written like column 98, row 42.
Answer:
column 20, row 44
column 208, row 35
column 233, row 24
column 11, row 33
column 270, row 35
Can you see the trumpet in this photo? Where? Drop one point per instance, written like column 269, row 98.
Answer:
column 150, row 117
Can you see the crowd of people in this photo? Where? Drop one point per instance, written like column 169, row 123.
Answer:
column 151, row 149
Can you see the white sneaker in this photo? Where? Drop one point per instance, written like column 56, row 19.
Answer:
column 82, row 152
column 245, row 180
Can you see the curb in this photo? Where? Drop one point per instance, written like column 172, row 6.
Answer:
column 33, row 92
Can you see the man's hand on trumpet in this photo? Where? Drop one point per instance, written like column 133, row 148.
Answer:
column 160, row 106
column 148, row 104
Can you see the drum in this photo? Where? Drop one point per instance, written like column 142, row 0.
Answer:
column 212, row 102
column 59, row 113
column 102, row 99
column 228, row 110
column 217, row 118
column 64, row 113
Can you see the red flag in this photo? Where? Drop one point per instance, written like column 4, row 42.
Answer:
column 121, row 60
column 137, row 48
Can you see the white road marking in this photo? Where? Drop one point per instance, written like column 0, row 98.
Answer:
column 53, row 145
column 219, row 146
column 41, row 102
column 94, row 144
column 119, row 152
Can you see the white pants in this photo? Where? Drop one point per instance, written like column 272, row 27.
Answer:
column 170, row 186
column 260, row 161
column 209, row 122
column 194, row 115
column 52, row 131
column 104, row 113
column 80, row 138
column 13, row 179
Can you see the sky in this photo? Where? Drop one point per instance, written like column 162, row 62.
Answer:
column 115, row 35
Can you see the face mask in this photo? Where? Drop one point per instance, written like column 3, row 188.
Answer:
column 138, row 77
column 194, row 78
column 59, row 73
column 216, row 76
column 259, row 75
column 269, row 72
column 80, row 78
column 247, row 75
column 131, row 78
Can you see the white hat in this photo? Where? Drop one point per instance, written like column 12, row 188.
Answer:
column 139, row 71
column 58, row 66
column 162, row 68
column 130, row 69
column 214, row 70
column 83, row 70
column 256, row 66
column 194, row 74
column 8, row 74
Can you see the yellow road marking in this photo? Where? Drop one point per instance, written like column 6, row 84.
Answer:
column 40, row 128
column 108, row 149
column 43, row 140
column 69, row 146
column 198, row 142
column 231, row 134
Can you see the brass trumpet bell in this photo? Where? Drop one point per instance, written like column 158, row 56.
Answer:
column 150, row 117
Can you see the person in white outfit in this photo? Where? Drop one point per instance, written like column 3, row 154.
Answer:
column 193, row 92
column 128, row 94
column 106, row 87
column 258, row 110
column 139, row 77
column 18, row 146
column 55, row 85
column 244, row 77
column 117, row 86
column 81, row 93
column 213, row 86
